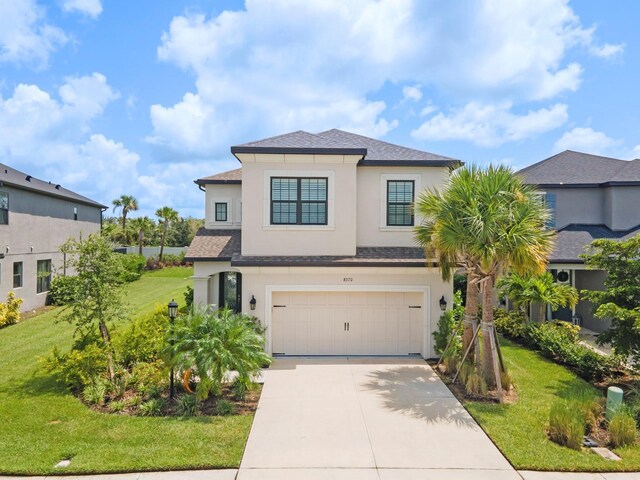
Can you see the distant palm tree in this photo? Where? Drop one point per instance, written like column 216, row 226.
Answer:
column 143, row 228
column 166, row 215
column 539, row 289
column 127, row 203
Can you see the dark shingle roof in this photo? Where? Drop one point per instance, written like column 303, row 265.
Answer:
column 374, row 152
column 213, row 245
column 572, row 240
column 576, row 168
column 365, row 257
column 15, row 178
column 230, row 177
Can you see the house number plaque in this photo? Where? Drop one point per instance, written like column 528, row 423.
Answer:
column 347, row 279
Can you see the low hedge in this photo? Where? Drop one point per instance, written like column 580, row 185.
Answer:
column 558, row 341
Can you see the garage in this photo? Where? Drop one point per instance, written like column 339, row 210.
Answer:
column 347, row 323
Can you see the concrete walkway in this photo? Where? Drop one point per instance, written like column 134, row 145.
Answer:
column 364, row 418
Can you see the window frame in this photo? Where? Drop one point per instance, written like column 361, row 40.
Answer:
column 409, row 205
column 19, row 275
column 46, row 279
column 4, row 219
column 215, row 212
column 298, row 201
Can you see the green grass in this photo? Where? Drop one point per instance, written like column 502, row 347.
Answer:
column 519, row 429
column 41, row 423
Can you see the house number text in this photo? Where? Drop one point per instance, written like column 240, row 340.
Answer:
column 347, row 279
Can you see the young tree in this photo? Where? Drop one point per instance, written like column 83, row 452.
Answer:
column 97, row 298
column 127, row 203
column 542, row 290
column 165, row 215
column 144, row 229
column 620, row 301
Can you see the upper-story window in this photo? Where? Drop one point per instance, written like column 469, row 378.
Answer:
column 221, row 211
column 298, row 201
column 4, row 208
column 550, row 203
column 400, row 203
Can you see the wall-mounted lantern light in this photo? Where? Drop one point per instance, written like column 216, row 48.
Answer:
column 443, row 304
column 252, row 303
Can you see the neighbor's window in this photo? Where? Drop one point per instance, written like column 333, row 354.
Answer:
column 43, row 276
column 221, row 212
column 17, row 274
column 75, row 213
column 400, row 202
column 298, row 201
column 4, row 208
column 550, row 203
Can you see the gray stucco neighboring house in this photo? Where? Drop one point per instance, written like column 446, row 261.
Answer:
column 36, row 218
column 591, row 197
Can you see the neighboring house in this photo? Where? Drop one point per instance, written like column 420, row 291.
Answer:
column 592, row 197
column 314, row 236
column 36, row 218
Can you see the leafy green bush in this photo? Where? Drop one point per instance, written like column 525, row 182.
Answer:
column 80, row 366
column 510, row 324
column 224, row 408
column 151, row 408
column 10, row 311
column 117, row 406
column 449, row 322
column 622, row 427
column 211, row 344
column 149, row 376
column 62, row 290
column 188, row 297
column 132, row 266
column 187, row 406
column 144, row 339
column 566, row 425
column 240, row 390
column 96, row 392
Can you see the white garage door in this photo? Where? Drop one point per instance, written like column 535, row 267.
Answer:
column 347, row 323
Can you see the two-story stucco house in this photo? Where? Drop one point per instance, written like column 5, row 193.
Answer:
column 36, row 218
column 592, row 197
column 314, row 236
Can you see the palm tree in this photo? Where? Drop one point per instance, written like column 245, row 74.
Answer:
column 166, row 215
column 127, row 203
column 539, row 289
column 508, row 233
column 143, row 228
column 445, row 233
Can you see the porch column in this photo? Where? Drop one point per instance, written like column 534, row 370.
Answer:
column 201, row 290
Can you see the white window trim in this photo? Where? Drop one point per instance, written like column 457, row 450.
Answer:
column 330, row 175
column 212, row 210
column 417, row 187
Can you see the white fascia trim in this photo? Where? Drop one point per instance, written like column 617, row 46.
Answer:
column 426, row 304
column 331, row 196
column 417, row 187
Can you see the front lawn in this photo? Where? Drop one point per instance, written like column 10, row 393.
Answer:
column 519, row 429
column 43, row 423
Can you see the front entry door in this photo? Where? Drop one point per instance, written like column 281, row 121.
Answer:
column 231, row 291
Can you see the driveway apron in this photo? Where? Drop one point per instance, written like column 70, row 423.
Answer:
column 364, row 418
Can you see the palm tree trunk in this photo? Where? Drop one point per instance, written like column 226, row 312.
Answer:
column 470, row 312
column 140, row 240
column 541, row 311
column 164, row 235
column 487, row 324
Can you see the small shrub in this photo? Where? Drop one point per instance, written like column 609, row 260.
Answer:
column 96, row 392
column 188, row 297
column 510, row 324
column 187, row 406
column 566, row 425
column 476, row 384
column 225, row 408
column 132, row 267
column 80, row 366
column 117, row 406
column 622, row 428
column 144, row 339
column 240, row 389
column 10, row 311
column 148, row 376
column 449, row 322
column 151, row 408
column 62, row 291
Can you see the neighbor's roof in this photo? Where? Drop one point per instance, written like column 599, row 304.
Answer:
column 374, row 152
column 571, row 168
column 572, row 240
column 230, row 177
column 213, row 245
column 14, row 178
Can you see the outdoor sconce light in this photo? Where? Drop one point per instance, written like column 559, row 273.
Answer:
column 443, row 304
column 252, row 303
column 172, row 309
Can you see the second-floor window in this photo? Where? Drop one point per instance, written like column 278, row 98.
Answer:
column 298, row 201
column 221, row 212
column 17, row 274
column 4, row 208
column 550, row 203
column 43, row 277
column 400, row 203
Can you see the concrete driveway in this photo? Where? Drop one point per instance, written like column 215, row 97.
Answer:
column 364, row 418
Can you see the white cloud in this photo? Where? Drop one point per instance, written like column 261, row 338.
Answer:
column 252, row 80
column 90, row 8
column 412, row 93
column 25, row 35
column 585, row 139
column 607, row 50
column 490, row 124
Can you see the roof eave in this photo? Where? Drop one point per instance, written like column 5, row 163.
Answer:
column 410, row 163
column 87, row 202
column 299, row 151
column 204, row 181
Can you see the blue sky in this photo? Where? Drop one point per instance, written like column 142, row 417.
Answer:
column 109, row 97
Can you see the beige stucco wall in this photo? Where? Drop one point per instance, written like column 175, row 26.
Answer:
column 338, row 237
column 579, row 205
column 231, row 194
column 371, row 203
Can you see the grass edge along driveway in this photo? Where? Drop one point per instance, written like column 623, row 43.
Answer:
column 518, row 430
column 42, row 423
